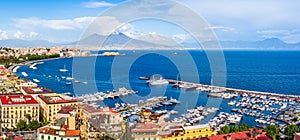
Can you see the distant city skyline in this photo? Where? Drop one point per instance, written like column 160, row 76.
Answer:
column 65, row 21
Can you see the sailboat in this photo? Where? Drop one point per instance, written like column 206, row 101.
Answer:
column 64, row 69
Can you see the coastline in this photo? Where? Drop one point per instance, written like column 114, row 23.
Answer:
column 12, row 67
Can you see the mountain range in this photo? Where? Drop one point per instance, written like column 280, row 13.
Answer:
column 151, row 41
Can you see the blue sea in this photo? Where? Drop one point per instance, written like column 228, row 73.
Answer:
column 268, row 71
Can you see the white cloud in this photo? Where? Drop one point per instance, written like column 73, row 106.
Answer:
column 181, row 37
column 65, row 24
column 22, row 35
column 33, row 34
column 105, row 25
column 19, row 35
column 97, row 4
column 222, row 28
column 3, row 35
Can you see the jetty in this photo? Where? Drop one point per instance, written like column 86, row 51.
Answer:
column 218, row 89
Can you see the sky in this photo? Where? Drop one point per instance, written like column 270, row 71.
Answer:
column 65, row 21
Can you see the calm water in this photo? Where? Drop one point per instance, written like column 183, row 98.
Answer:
column 269, row 71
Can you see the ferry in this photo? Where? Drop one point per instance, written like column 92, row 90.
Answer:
column 24, row 74
column 157, row 81
column 160, row 81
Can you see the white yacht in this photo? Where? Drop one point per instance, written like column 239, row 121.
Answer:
column 69, row 78
column 159, row 81
column 24, row 74
column 64, row 69
column 36, row 80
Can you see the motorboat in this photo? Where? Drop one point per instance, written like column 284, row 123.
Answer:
column 64, row 69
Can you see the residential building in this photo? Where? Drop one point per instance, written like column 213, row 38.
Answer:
column 51, row 104
column 57, row 133
column 35, row 91
column 17, row 107
column 189, row 132
column 99, row 121
column 145, row 131
column 245, row 135
column 62, row 128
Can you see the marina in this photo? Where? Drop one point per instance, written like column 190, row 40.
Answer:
column 151, row 104
column 100, row 96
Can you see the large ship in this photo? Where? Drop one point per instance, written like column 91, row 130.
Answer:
column 159, row 81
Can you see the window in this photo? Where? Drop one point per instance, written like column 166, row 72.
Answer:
column 48, row 137
column 42, row 136
column 193, row 131
column 54, row 138
column 61, row 138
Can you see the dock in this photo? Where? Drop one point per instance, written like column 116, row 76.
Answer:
column 218, row 89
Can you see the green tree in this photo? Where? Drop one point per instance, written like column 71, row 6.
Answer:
column 225, row 129
column 28, row 117
column 21, row 125
column 33, row 125
column 235, row 128
column 272, row 131
column 244, row 127
column 290, row 130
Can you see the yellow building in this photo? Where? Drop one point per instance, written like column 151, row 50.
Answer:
column 189, row 132
column 51, row 104
column 17, row 107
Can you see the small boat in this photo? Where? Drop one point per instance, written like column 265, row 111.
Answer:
column 69, row 78
column 68, row 83
column 231, row 103
column 24, row 74
column 144, row 78
column 68, row 94
column 34, row 68
column 36, row 80
column 84, row 82
column 77, row 81
column 173, row 112
column 64, row 69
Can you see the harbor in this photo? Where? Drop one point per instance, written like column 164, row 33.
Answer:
column 263, row 108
